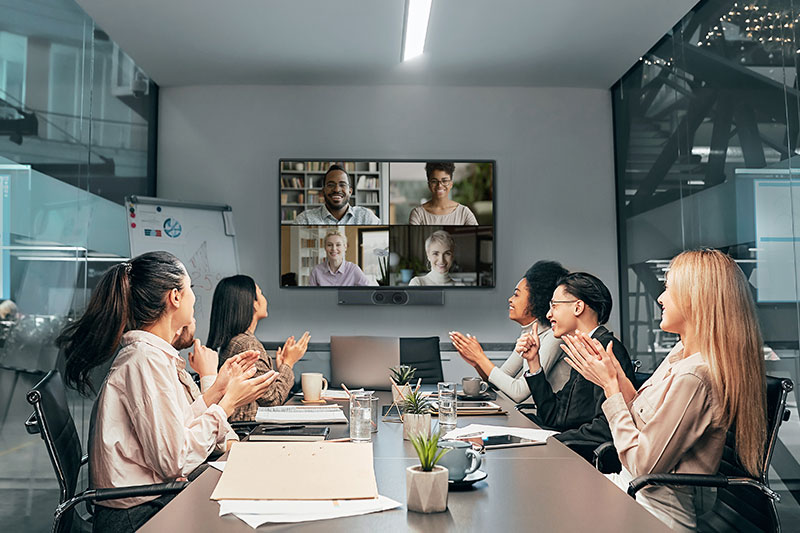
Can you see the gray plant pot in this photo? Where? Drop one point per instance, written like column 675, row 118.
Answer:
column 416, row 425
column 426, row 492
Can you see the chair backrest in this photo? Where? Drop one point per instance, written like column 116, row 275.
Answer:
column 745, row 508
column 423, row 354
column 57, row 429
column 363, row 361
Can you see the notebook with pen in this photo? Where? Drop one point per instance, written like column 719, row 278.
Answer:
column 266, row 432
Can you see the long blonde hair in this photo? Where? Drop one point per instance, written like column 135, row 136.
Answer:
column 712, row 292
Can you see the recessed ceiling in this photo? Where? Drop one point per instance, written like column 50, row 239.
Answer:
column 563, row 43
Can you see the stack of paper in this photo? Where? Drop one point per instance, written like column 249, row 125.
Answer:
column 257, row 512
column 307, row 481
column 481, row 430
column 329, row 414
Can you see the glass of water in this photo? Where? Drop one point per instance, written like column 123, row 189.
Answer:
column 447, row 406
column 374, row 410
column 360, row 417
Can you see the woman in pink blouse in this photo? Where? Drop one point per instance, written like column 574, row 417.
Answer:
column 144, row 430
column 713, row 378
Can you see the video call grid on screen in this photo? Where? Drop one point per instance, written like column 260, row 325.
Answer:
column 399, row 224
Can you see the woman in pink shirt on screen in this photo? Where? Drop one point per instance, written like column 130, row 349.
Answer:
column 144, row 430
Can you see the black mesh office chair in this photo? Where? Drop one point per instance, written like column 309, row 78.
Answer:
column 423, row 354
column 743, row 503
column 52, row 420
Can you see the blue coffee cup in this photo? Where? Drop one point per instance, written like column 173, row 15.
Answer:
column 460, row 461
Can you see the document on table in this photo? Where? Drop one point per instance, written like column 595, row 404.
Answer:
column 298, row 471
column 483, row 430
column 257, row 512
column 301, row 415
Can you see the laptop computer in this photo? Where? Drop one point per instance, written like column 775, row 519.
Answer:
column 363, row 361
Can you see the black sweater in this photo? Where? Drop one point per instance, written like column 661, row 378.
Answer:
column 576, row 410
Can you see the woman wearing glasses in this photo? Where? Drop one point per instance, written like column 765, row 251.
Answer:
column 440, row 209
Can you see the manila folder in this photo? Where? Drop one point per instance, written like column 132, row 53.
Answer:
column 298, row 471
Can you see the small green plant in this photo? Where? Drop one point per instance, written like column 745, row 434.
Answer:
column 416, row 404
column 403, row 374
column 428, row 450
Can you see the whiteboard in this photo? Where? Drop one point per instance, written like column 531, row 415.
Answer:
column 777, row 217
column 202, row 236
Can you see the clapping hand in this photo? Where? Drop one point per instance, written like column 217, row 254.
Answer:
column 292, row 351
column 240, row 363
column 203, row 360
column 244, row 389
column 592, row 361
column 468, row 347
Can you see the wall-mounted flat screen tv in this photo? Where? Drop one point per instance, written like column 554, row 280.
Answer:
column 416, row 224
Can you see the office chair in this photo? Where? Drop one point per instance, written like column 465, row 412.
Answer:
column 743, row 503
column 423, row 354
column 52, row 420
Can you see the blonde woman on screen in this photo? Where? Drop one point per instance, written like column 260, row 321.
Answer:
column 440, row 209
column 713, row 379
column 440, row 249
column 335, row 270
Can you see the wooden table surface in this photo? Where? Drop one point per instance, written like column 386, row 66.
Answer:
column 541, row 488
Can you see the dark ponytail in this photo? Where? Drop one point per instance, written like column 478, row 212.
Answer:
column 130, row 295
column 591, row 290
column 231, row 310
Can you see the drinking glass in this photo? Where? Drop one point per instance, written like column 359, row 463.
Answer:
column 360, row 417
column 447, row 406
column 374, row 410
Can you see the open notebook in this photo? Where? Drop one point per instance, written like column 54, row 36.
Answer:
column 301, row 415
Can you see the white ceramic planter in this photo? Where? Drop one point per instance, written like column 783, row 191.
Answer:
column 416, row 425
column 426, row 492
column 405, row 390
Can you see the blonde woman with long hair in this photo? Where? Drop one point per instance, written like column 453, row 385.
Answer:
column 712, row 380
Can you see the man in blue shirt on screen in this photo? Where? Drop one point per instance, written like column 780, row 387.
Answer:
column 336, row 190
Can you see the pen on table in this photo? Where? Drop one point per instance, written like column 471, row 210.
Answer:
column 346, row 390
column 478, row 434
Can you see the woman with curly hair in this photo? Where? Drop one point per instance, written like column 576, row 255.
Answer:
column 440, row 210
column 527, row 306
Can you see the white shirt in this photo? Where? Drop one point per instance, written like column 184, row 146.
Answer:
column 144, row 430
column 510, row 378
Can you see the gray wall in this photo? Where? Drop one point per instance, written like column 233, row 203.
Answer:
column 555, row 182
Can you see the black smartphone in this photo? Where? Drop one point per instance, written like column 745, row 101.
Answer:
column 507, row 441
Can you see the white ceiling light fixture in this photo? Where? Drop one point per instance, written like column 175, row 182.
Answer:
column 418, row 13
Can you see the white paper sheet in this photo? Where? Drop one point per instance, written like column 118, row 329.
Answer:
column 219, row 465
column 483, row 430
column 257, row 512
column 299, row 415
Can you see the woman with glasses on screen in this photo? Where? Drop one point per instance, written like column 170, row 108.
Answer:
column 713, row 378
column 440, row 210
column 440, row 249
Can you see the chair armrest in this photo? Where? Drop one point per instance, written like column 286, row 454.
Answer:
column 605, row 458
column 584, row 448
column 692, row 480
column 84, row 459
column 99, row 495
column 521, row 406
column 32, row 424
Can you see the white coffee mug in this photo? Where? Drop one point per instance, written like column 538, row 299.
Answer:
column 474, row 386
column 313, row 386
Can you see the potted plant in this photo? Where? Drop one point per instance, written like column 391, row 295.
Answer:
column 401, row 377
column 416, row 415
column 426, row 483
column 408, row 266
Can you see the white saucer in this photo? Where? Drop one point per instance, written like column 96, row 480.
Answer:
column 474, row 477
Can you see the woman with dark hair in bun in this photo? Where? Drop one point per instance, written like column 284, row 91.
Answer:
column 143, row 429
column 440, row 210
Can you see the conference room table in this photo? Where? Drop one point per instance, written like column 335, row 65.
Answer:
column 543, row 488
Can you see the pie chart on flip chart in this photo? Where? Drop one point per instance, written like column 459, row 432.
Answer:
column 172, row 228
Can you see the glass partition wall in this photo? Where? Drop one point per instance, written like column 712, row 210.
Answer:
column 706, row 129
column 77, row 134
